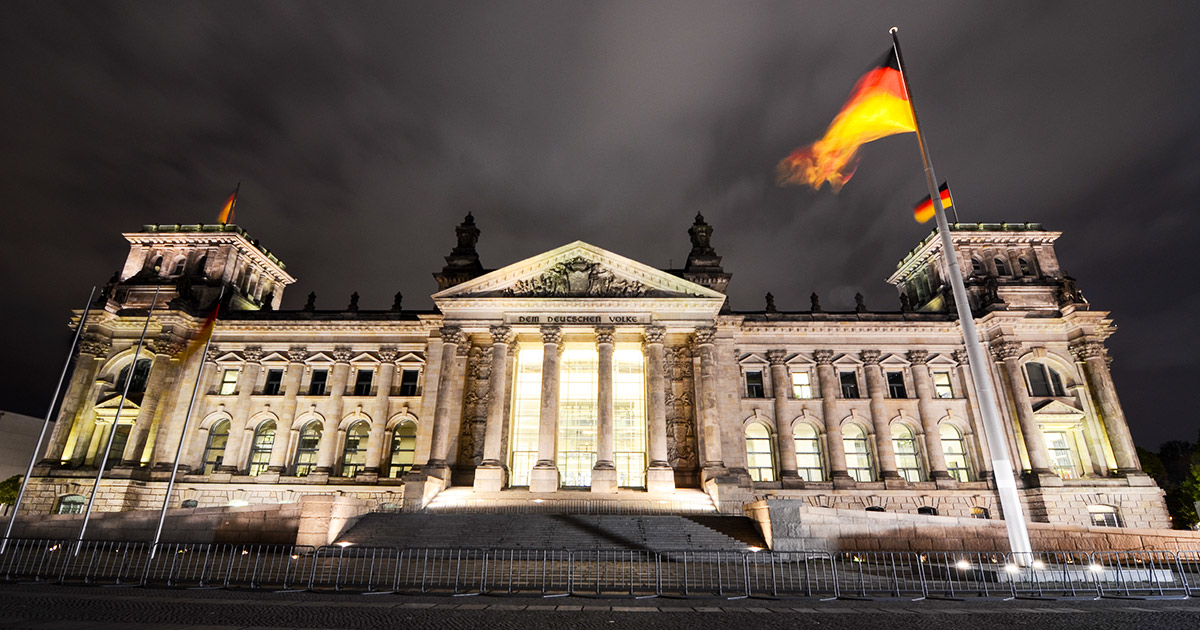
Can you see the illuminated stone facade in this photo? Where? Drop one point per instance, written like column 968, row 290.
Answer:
column 579, row 370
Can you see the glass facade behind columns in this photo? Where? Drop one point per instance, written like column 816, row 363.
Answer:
column 527, row 396
column 629, row 415
column 577, row 410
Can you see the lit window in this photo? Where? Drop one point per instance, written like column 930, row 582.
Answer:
column 316, row 386
column 941, row 385
column 908, row 461
column 759, row 460
column 980, row 512
column 362, row 382
column 858, row 452
column 955, row 452
column 977, row 267
column 1043, row 380
column 527, row 392
column 214, row 450
column 307, row 448
column 629, row 415
column 354, row 457
column 70, row 504
column 849, row 382
column 404, row 449
column 802, row 384
column 895, row 384
column 754, row 384
column 808, row 452
column 260, row 451
column 228, row 382
column 1001, row 267
column 1104, row 516
column 274, row 382
column 1061, row 460
column 577, row 411
column 927, row 510
column 408, row 382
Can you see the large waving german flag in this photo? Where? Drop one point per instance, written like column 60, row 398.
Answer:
column 878, row 107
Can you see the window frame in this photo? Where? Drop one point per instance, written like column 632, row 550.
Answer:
column 959, row 473
column 864, row 438
column 805, row 387
column 900, row 388
column 942, row 388
column 70, row 504
column 306, row 468
column 759, row 472
column 360, row 447
column 232, row 384
column 397, row 470
column 273, row 382
column 412, row 388
column 359, row 384
column 852, row 384
column 207, row 458
column 1102, row 521
column 750, row 384
column 318, row 387
column 914, row 471
column 807, row 472
column 260, row 451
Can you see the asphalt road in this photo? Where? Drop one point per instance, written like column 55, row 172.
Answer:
column 47, row 606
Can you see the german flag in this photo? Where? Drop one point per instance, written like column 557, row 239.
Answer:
column 878, row 107
column 206, row 331
column 923, row 211
column 226, row 215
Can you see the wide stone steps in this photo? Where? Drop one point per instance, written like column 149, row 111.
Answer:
column 553, row 531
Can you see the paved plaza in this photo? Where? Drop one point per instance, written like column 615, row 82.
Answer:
column 80, row 607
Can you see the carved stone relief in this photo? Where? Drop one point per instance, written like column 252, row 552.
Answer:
column 681, row 425
column 576, row 278
column 475, row 402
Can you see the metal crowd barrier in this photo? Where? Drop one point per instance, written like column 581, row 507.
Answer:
column 611, row 572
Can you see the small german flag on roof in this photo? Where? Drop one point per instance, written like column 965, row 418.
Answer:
column 923, row 211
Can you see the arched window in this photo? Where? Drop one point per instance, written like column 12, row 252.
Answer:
column 980, row 512
column 977, row 267
column 306, row 449
column 141, row 371
column 1043, row 380
column 201, row 264
column 354, row 457
column 808, row 452
column 404, row 449
column 214, row 450
column 1062, row 459
column 260, row 451
column 179, row 266
column 1026, row 268
column 156, row 264
column 858, row 452
column 955, row 451
column 1001, row 267
column 908, row 461
column 70, row 504
column 927, row 510
column 759, row 459
column 1104, row 516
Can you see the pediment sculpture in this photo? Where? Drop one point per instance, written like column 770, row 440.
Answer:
column 579, row 277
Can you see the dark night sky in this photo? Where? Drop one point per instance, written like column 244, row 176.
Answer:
column 363, row 132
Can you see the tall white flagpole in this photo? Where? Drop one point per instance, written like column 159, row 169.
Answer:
column 87, row 515
column 37, row 449
column 1006, row 484
column 162, row 515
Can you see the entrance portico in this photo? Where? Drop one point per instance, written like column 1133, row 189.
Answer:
column 580, row 332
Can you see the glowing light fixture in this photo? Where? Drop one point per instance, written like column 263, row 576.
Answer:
column 962, row 565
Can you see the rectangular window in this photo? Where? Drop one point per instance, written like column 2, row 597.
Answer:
column 629, row 415
column 274, row 381
column 228, row 382
column 316, row 387
column 754, row 384
column 802, row 385
column 408, row 382
column 941, row 385
column 1061, row 461
column 849, row 384
column 362, row 382
column 895, row 383
column 527, row 392
column 578, row 383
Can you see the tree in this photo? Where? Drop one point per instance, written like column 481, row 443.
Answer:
column 9, row 488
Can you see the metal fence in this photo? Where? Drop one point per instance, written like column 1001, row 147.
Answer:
column 610, row 572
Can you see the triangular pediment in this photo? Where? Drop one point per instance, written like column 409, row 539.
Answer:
column 1057, row 409
column 577, row 270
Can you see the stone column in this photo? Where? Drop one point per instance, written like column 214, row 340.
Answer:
column 379, row 411
column 287, row 410
column 785, row 443
column 923, row 382
column 1095, row 361
column 710, row 417
column 491, row 474
column 828, row 382
column 604, row 473
column 233, row 462
column 81, row 449
column 884, row 450
column 544, row 477
column 167, row 440
column 92, row 352
column 660, row 477
column 979, row 441
column 1008, row 353
column 439, row 451
column 338, row 378
column 162, row 370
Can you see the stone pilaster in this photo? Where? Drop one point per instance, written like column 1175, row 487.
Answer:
column 710, row 416
column 78, row 399
column 167, row 440
column 234, row 462
column 339, row 376
column 785, row 444
column 379, row 411
column 659, row 476
column 885, row 451
column 604, row 473
column 287, row 410
column 828, row 383
column 162, row 371
column 450, row 380
column 923, row 383
column 1094, row 357
column 490, row 475
column 544, row 477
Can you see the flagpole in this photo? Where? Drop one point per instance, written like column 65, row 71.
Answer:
column 162, row 515
column 1006, row 486
column 953, row 206
column 87, row 515
column 46, row 423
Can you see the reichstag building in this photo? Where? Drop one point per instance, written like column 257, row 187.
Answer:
column 579, row 373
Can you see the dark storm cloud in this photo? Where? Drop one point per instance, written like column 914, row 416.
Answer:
column 363, row 132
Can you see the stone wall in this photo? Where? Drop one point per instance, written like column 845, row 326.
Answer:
column 276, row 523
column 794, row 525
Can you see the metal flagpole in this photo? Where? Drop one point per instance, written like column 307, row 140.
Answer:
column 162, row 515
column 87, row 515
column 953, row 206
column 46, row 423
column 1006, row 486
